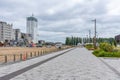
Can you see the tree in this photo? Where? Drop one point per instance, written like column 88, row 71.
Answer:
column 73, row 40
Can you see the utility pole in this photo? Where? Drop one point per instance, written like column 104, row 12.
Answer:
column 87, row 41
column 95, row 34
column 89, row 36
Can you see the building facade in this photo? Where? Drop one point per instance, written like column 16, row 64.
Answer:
column 117, row 38
column 26, row 37
column 32, row 27
column 5, row 31
column 16, row 34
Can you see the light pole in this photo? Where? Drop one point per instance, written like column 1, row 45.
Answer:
column 94, row 39
column 89, row 36
column 87, row 39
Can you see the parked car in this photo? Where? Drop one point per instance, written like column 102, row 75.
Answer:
column 38, row 45
column 58, row 46
column 48, row 46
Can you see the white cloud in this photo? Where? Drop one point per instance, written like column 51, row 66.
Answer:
column 50, row 11
column 113, row 7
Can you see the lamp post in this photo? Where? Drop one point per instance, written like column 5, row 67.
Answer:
column 94, row 39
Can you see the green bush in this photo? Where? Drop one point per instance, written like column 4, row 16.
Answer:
column 106, row 50
column 101, row 53
column 89, row 46
column 115, row 50
column 97, row 52
column 116, row 54
column 106, row 47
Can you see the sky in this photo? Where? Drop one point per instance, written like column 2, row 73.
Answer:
column 58, row 19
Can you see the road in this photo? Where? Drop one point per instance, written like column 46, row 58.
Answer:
column 77, row 64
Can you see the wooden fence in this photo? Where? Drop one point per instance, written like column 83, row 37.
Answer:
column 6, row 58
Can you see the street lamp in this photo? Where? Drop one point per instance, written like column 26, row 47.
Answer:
column 94, row 39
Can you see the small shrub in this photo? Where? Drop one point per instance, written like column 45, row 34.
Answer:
column 101, row 54
column 115, row 50
column 116, row 54
column 89, row 46
column 106, row 50
column 106, row 47
column 97, row 52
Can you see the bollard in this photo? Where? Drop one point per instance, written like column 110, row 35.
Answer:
column 21, row 57
column 41, row 52
column 14, row 58
column 24, row 57
column 38, row 53
column 5, row 58
column 31, row 54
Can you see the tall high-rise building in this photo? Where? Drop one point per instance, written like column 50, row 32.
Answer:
column 5, row 31
column 32, row 27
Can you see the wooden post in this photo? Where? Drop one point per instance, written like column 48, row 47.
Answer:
column 21, row 57
column 41, row 52
column 14, row 57
column 31, row 54
column 5, row 58
column 38, row 53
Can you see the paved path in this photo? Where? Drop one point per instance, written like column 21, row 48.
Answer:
column 78, row 64
column 16, row 73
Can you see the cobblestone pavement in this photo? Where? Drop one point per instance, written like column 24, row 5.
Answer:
column 78, row 64
column 114, row 63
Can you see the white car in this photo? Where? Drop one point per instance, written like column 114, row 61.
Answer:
column 58, row 45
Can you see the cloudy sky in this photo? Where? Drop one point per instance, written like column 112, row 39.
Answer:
column 61, row 18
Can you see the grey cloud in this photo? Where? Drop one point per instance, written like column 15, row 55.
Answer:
column 66, row 17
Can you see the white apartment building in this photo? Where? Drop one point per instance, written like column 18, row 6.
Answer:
column 5, row 31
column 32, row 28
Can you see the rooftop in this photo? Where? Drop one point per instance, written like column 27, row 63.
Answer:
column 32, row 18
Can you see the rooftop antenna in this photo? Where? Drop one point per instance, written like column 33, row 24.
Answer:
column 32, row 14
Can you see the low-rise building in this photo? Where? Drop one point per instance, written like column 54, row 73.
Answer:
column 27, row 37
column 16, row 34
column 41, row 41
column 117, row 38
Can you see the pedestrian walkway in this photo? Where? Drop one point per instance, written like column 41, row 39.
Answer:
column 78, row 64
